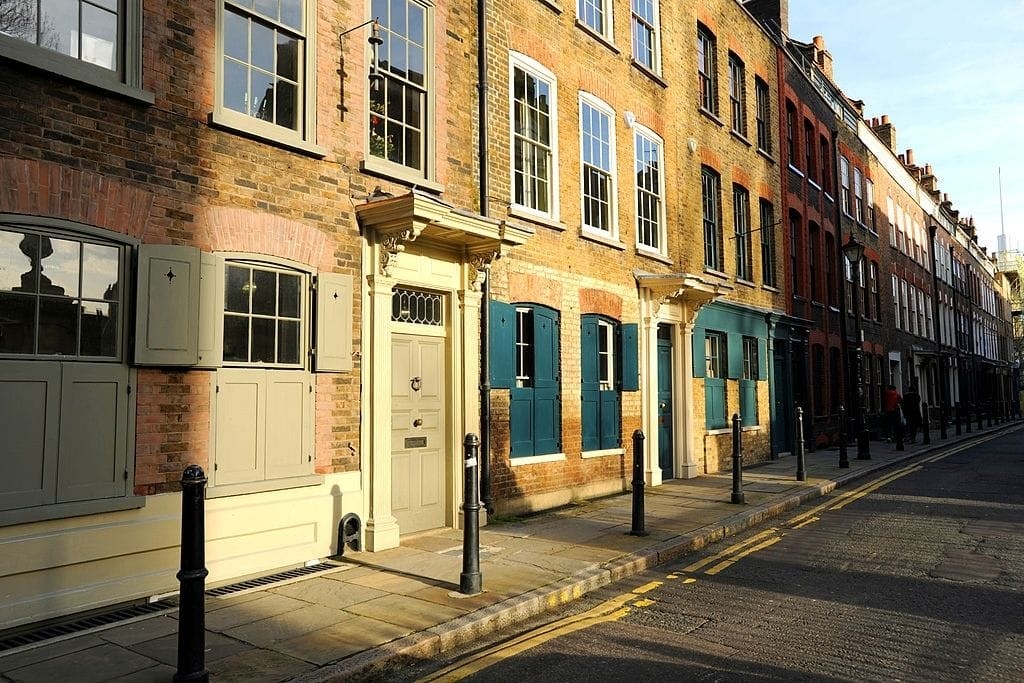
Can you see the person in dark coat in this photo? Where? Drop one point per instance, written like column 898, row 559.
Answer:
column 912, row 412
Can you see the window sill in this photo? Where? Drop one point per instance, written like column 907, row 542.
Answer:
column 72, row 69
column 718, row 431
column 602, row 453
column 655, row 256
column 748, row 283
column 528, row 215
column 766, row 154
column 772, row 289
column 646, row 71
column 66, row 510
column 796, row 170
column 751, row 428
column 229, row 122
column 741, row 137
column 813, row 184
column 716, row 273
column 601, row 238
column 553, row 6
column 598, row 37
column 263, row 486
column 401, row 174
column 711, row 115
column 518, row 460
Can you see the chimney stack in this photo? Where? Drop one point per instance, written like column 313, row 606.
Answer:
column 886, row 132
column 822, row 57
column 772, row 13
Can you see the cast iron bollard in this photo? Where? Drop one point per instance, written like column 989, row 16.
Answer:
column 638, row 485
column 470, row 582
column 967, row 417
column 981, row 416
column 737, row 459
column 991, row 409
column 192, row 580
column 798, row 446
column 956, row 417
column 926, row 437
column 943, row 417
column 844, row 458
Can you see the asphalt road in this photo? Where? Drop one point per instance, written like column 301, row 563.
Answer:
column 917, row 575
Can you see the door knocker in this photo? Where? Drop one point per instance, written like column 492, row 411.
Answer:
column 418, row 422
column 416, row 383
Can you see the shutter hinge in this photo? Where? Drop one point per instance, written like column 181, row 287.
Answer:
column 214, row 466
column 126, row 475
column 309, row 458
column 216, row 389
column 128, row 389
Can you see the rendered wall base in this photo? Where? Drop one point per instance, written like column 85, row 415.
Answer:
column 59, row 567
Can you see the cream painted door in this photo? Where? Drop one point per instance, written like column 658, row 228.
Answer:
column 417, row 432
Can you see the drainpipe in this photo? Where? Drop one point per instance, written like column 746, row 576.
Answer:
column 485, row 366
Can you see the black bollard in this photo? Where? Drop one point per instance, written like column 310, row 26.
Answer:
column 844, row 458
column 798, row 445
column 737, row 460
column 943, row 418
column 470, row 581
column 981, row 416
column 926, row 437
column 192, row 580
column 957, row 409
column 990, row 410
column 967, row 417
column 638, row 485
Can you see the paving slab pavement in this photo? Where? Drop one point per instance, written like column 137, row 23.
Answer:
column 365, row 609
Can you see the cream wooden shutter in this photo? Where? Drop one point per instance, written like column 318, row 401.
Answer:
column 167, row 307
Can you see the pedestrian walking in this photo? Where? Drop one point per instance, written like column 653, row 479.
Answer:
column 891, row 401
column 912, row 412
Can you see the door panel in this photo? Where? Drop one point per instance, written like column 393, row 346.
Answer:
column 665, row 431
column 289, row 451
column 418, row 436
column 239, row 418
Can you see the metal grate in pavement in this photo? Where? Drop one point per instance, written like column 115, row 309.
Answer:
column 79, row 624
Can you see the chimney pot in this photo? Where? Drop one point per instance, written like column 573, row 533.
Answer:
column 910, row 157
column 819, row 42
column 885, row 119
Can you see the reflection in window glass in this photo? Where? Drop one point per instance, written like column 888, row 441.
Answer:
column 262, row 315
column 81, row 29
column 59, row 296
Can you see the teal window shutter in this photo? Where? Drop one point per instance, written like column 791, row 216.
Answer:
column 714, row 404
column 762, row 359
column 501, row 324
column 699, row 359
column 590, row 390
column 520, row 419
column 610, row 432
column 734, row 344
column 748, row 402
column 547, row 418
column 630, row 358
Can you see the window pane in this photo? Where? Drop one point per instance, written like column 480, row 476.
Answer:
column 417, row 24
column 236, row 86
column 287, row 57
column 262, row 47
column 60, row 267
column 291, row 13
column 58, row 21
column 58, row 326
column 264, row 293
column 287, row 104
column 236, row 338
column 99, row 36
column 17, row 323
column 263, row 340
column 236, row 290
column 288, row 341
column 99, row 329
column 267, row 8
column 100, row 272
column 18, row 253
column 288, row 296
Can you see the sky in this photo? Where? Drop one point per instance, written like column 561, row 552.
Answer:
column 950, row 75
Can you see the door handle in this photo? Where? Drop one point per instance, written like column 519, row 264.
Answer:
column 662, row 405
column 416, row 383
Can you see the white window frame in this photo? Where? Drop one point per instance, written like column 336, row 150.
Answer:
column 588, row 101
column 606, row 359
column 890, row 214
column 539, row 71
column 858, row 195
column 304, row 138
column 763, row 104
column 869, row 199
column 642, row 133
column 708, row 72
column 651, row 28
column 602, row 9
column 844, row 183
column 737, row 94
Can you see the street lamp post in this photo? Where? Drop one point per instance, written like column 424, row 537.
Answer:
column 854, row 251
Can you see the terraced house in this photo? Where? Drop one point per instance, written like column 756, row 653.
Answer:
column 309, row 245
